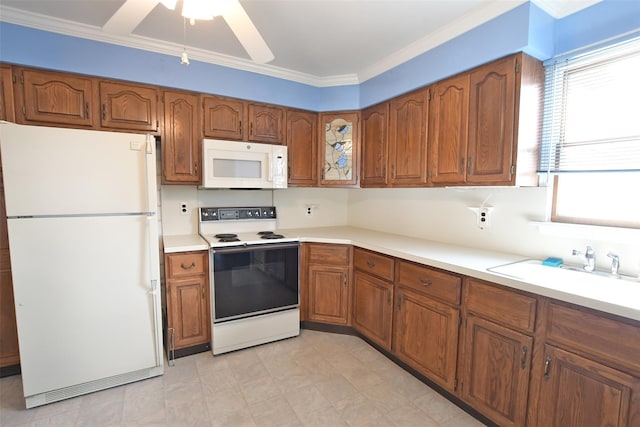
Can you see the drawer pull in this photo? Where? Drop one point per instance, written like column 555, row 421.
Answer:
column 188, row 267
column 547, row 367
column 523, row 361
column 424, row 281
column 371, row 263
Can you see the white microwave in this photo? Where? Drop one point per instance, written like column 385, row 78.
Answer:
column 234, row 164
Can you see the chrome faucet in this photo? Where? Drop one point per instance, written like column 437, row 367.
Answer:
column 615, row 264
column 589, row 260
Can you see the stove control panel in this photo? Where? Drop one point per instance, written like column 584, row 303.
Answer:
column 230, row 214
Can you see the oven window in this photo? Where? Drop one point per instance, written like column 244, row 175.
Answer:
column 254, row 280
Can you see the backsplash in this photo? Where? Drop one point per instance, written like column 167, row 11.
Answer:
column 439, row 214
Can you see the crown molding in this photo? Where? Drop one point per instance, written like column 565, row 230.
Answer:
column 479, row 16
column 75, row 29
column 562, row 8
column 461, row 25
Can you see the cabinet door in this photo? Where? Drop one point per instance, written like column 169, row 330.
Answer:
column 128, row 107
column 408, row 138
column 266, row 124
column 491, row 122
column 223, row 118
column 181, row 139
column 448, row 119
column 373, row 308
column 329, row 294
column 188, row 311
column 496, row 371
column 577, row 392
column 339, row 149
column 51, row 98
column 426, row 336
column 7, row 111
column 302, row 134
column 375, row 146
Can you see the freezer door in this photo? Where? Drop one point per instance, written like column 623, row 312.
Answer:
column 86, row 306
column 56, row 171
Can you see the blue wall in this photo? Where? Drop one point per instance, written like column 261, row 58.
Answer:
column 525, row 28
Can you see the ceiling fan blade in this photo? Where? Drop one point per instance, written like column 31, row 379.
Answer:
column 129, row 16
column 247, row 33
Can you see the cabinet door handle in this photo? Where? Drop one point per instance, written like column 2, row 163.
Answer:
column 393, row 171
column 202, row 291
column 469, row 165
column 345, row 280
column 425, row 281
column 371, row 263
column 86, row 110
column 104, row 111
column 547, row 367
column 523, row 360
column 399, row 301
column 172, row 347
column 188, row 267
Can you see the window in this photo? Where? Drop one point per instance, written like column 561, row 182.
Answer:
column 591, row 136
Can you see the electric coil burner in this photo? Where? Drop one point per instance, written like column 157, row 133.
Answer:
column 254, row 277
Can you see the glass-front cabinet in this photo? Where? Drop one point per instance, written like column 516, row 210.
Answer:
column 339, row 148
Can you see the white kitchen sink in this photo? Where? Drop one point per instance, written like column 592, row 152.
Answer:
column 533, row 271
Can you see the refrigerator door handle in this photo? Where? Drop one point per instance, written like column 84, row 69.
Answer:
column 152, row 238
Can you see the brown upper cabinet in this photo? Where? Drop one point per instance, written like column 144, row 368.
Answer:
column 181, row 138
column 408, row 139
column 55, row 99
column 223, row 118
column 504, row 121
column 375, row 146
column 448, row 121
column 266, row 123
column 129, row 107
column 339, row 148
column 7, row 111
column 302, row 136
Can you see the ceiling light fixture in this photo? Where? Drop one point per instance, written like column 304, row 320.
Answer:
column 204, row 10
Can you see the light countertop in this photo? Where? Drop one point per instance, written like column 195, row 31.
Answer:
column 184, row 243
column 621, row 297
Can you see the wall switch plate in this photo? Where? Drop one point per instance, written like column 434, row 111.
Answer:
column 483, row 216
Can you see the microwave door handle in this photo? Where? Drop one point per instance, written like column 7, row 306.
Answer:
column 270, row 167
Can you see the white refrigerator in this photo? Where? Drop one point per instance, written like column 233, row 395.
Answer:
column 83, row 236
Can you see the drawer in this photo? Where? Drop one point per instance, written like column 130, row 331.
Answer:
column 374, row 263
column 593, row 334
column 501, row 305
column 186, row 264
column 439, row 285
column 328, row 254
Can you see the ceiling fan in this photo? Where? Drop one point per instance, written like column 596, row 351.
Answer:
column 132, row 12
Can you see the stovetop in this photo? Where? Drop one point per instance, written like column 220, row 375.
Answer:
column 222, row 227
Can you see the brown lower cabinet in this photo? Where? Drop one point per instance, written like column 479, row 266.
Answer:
column 516, row 358
column 187, row 291
column 328, row 283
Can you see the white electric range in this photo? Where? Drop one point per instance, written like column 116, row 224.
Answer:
column 254, row 276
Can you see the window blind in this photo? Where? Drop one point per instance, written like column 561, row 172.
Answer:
column 591, row 118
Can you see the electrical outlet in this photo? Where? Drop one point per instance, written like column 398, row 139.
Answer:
column 310, row 209
column 184, row 208
column 483, row 216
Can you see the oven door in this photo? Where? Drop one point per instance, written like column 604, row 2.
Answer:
column 255, row 279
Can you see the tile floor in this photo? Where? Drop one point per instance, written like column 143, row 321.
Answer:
column 317, row 379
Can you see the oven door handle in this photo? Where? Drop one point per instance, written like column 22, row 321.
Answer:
column 245, row 248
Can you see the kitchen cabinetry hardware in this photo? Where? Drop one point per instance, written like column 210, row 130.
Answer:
column 104, row 111
column 469, row 165
column 523, row 360
column 172, row 346
column 547, row 367
column 345, row 282
column 188, row 267
column 371, row 263
column 425, row 281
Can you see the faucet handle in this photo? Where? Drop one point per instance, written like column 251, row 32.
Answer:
column 615, row 263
